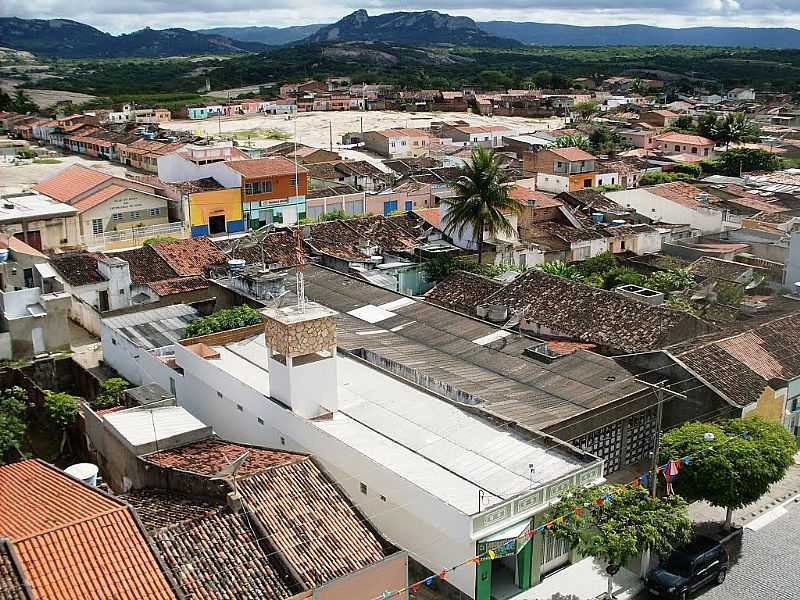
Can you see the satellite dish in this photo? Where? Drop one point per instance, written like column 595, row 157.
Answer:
column 230, row 471
column 755, row 283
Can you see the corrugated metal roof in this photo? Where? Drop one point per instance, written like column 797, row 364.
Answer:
column 156, row 328
column 141, row 427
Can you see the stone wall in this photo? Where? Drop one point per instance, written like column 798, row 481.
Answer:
column 304, row 337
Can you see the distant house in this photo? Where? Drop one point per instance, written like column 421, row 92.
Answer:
column 486, row 136
column 683, row 143
column 398, row 143
column 561, row 169
column 39, row 221
column 659, row 118
column 741, row 94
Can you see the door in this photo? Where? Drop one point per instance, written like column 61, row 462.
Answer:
column 216, row 224
column 34, row 239
column 103, row 297
column 389, row 207
column 483, row 583
column 37, row 337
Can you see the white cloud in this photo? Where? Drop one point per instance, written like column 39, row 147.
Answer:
column 121, row 16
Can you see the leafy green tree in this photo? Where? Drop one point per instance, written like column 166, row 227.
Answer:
column 622, row 526
column 735, row 128
column 22, row 103
column 601, row 263
column 735, row 466
column 684, row 123
column 693, row 171
column 573, row 141
column 730, row 294
column 594, row 280
column 586, row 109
column 482, row 203
column 604, row 140
column 61, row 409
column 441, row 267
column 622, row 276
column 681, row 303
column 111, row 391
column 707, row 125
column 224, row 320
column 6, row 103
column 494, row 80
column 562, row 269
column 673, row 280
column 660, row 177
column 736, row 161
column 13, row 405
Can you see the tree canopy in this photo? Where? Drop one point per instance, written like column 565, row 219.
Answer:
column 13, row 405
column 61, row 409
column 625, row 521
column 736, row 467
column 483, row 203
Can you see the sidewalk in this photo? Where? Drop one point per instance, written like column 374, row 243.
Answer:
column 585, row 580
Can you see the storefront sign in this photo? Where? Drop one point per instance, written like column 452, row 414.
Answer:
column 527, row 503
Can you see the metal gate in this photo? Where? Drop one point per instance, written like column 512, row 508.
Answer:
column 606, row 443
column 555, row 552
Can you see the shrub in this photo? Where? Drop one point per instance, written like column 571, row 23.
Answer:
column 601, row 263
column 223, row 320
column 13, row 404
column 158, row 239
column 111, row 393
column 694, row 170
column 61, row 409
column 656, row 178
column 670, row 281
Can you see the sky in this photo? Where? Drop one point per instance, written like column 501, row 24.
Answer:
column 119, row 16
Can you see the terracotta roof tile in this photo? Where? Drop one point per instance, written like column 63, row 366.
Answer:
column 146, row 265
column 462, row 291
column 708, row 266
column 179, row 285
column 683, row 194
column 161, row 508
column 684, row 138
column 322, row 536
column 72, row 540
column 78, row 268
column 572, row 154
column 190, row 257
column 431, row 215
column 207, row 457
column 265, row 167
column 12, row 581
column 381, row 231
column 534, row 198
column 592, row 315
column 276, row 247
column 98, row 197
column 71, row 182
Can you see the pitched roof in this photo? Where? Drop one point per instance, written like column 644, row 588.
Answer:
column 71, row 182
column 381, row 231
column 265, row 167
column 13, row 585
column 72, row 540
column 161, row 508
column 431, row 215
column 684, row 138
column 682, row 193
column 98, row 197
column 190, row 257
column 78, row 268
column 146, row 265
column 403, row 132
column 179, row 285
column 709, row 266
column 218, row 556
column 322, row 536
column 593, row 315
column 572, row 154
column 208, row 457
column 462, row 291
column 590, row 200
column 278, row 247
column 741, row 365
column 534, row 198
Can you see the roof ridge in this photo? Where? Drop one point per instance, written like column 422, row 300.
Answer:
column 70, row 524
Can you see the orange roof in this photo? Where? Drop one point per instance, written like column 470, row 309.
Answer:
column 572, row 154
column 534, row 198
column 98, row 197
column 684, row 138
column 18, row 245
column 433, row 216
column 190, row 257
column 683, row 193
column 403, row 132
column 265, row 167
column 71, row 182
column 74, row 541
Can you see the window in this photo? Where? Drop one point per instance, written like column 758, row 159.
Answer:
column 97, row 226
column 136, row 214
column 219, row 394
column 260, row 420
column 155, row 212
column 409, row 205
column 694, row 150
column 622, row 245
column 116, row 216
column 389, row 207
column 171, row 386
column 293, row 182
column 383, row 497
column 121, row 292
column 258, row 187
column 677, row 148
column 283, row 441
column 363, row 488
column 705, row 151
column 239, row 408
column 587, row 183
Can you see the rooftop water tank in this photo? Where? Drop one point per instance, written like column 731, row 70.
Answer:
column 597, row 217
column 86, row 472
column 235, row 264
column 617, row 222
column 3, row 255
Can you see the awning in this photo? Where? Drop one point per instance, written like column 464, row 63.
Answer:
column 45, row 270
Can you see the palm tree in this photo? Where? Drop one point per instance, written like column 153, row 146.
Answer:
column 735, row 128
column 562, row 269
column 483, row 200
column 573, row 141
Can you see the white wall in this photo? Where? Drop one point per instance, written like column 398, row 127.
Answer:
column 432, row 532
column 552, row 183
column 134, row 364
column 707, row 220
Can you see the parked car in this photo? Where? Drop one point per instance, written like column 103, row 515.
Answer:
column 700, row 563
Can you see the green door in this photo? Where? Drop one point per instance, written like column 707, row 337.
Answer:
column 524, row 564
column 483, row 581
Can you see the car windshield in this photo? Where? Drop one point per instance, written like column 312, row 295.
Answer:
column 678, row 564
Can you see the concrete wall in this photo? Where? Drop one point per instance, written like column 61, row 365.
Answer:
column 370, row 582
column 51, row 328
column 707, row 220
column 126, row 203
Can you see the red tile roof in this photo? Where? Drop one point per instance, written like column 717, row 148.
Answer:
column 265, row 167
column 534, row 198
column 572, row 154
column 430, row 215
column 71, row 182
column 207, row 457
column 684, row 138
column 179, row 285
column 73, row 541
column 98, row 197
column 146, row 265
column 683, row 193
column 190, row 257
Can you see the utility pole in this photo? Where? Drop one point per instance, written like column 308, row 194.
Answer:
column 330, row 135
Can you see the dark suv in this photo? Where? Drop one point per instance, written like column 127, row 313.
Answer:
column 689, row 568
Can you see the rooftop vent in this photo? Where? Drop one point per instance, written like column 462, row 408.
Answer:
column 641, row 294
column 541, row 351
column 495, row 313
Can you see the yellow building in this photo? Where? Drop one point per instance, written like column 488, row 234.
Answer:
column 215, row 211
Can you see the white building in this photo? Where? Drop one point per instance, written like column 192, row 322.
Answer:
column 440, row 482
column 676, row 202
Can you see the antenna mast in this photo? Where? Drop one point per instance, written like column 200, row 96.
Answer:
column 299, row 258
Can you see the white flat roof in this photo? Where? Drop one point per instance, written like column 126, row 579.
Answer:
column 147, row 426
column 448, row 452
column 29, row 206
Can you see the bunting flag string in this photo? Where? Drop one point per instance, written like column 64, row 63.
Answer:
column 670, row 470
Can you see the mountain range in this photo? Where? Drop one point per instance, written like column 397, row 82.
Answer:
column 70, row 39
column 272, row 36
